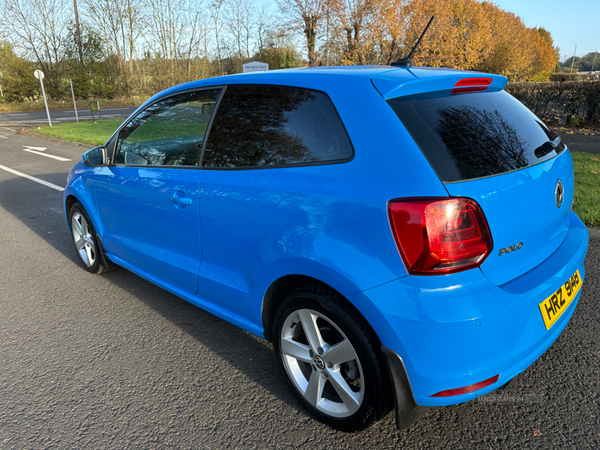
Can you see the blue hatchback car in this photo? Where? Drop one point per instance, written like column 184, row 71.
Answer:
column 403, row 236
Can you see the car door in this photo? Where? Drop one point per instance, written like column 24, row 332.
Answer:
column 148, row 199
column 251, row 218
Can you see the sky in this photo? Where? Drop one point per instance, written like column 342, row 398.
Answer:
column 570, row 22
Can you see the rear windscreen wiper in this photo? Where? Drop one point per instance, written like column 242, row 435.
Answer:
column 548, row 147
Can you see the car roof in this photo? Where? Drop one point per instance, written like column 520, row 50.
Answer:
column 315, row 75
column 386, row 79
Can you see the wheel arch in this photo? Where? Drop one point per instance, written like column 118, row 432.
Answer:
column 283, row 286
column 77, row 193
column 70, row 200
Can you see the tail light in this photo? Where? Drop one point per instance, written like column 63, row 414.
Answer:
column 440, row 236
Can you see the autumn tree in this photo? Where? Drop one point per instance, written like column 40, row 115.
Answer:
column 389, row 33
column 470, row 35
column 459, row 37
column 307, row 16
column 354, row 15
column 544, row 55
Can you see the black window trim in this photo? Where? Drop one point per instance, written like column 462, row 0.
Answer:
column 278, row 166
column 115, row 137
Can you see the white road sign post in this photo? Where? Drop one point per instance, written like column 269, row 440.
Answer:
column 40, row 76
column 2, row 93
column 255, row 66
column 74, row 103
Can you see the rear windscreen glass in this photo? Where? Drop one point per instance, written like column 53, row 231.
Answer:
column 475, row 135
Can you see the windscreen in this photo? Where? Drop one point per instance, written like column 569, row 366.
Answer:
column 475, row 135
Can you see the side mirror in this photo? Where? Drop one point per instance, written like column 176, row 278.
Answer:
column 95, row 157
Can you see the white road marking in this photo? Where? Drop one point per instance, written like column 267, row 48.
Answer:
column 60, row 158
column 29, row 177
column 39, row 149
column 3, row 137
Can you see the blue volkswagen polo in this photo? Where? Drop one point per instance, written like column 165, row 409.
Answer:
column 403, row 236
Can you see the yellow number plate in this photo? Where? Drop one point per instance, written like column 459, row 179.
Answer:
column 553, row 307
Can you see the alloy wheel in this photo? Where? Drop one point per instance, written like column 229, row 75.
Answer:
column 322, row 363
column 84, row 242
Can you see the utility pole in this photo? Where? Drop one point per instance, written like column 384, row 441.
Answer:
column 573, row 60
column 217, row 6
column 78, row 32
column 327, row 42
column 594, row 63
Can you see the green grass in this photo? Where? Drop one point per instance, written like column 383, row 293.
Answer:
column 587, row 188
column 86, row 132
column 166, row 129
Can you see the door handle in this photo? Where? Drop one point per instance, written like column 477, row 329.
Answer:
column 180, row 200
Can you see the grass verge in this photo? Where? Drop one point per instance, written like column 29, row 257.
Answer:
column 86, row 132
column 587, row 188
column 585, row 165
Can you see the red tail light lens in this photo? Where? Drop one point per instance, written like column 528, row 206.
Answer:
column 440, row 236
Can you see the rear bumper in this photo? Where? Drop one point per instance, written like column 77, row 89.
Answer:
column 458, row 330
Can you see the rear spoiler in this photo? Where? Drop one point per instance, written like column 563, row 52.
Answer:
column 402, row 82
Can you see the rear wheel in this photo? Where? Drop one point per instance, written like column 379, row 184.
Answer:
column 85, row 241
column 331, row 359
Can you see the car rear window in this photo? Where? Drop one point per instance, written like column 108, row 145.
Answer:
column 475, row 135
column 257, row 126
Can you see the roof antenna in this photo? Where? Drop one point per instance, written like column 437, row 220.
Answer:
column 406, row 62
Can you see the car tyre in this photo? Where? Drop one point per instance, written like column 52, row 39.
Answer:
column 331, row 359
column 86, row 242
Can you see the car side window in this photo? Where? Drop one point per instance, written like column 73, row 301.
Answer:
column 257, row 126
column 169, row 132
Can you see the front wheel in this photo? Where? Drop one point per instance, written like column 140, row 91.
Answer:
column 331, row 360
column 85, row 241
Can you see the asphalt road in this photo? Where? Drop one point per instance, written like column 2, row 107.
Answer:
column 582, row 142
column 68, row 115
column 113, row 362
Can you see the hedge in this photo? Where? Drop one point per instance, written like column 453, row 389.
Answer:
column 566, row 103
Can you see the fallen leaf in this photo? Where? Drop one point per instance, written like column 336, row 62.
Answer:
column 595, row 173
column 594, row 159
column 537, row 432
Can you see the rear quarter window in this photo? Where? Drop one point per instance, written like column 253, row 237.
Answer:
column 260, row 126
column 475, row 135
